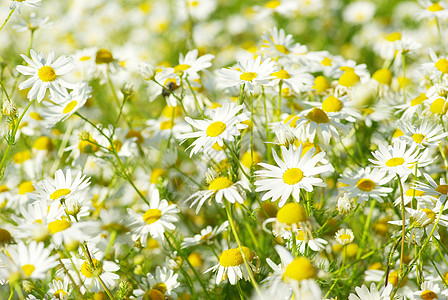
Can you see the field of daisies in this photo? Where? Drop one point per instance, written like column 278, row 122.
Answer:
column 223, row 149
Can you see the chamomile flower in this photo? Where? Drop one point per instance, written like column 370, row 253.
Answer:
column 26, row 261
column 60, row 111
column 224, row 126
column 297, row 80
column 427, row 134
column 59, row 289
column 278, row 43
column 231, row 265
column 158, row 217
column 220, row 187
column 46, row 75
column 431, row 290
column 250, row 72
column 396, row 159
column 159, row 286
column 206, row 236
column 293, row 173
column 63, row 185
column 344, row 236
column 431, row 9
column 366, row 183
column 363, row 293
column 290, row 217
column 439, row 191
column 191, row 64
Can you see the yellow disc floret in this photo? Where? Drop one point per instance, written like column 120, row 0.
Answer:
column 292, row 176
column 89, row 271
column 317, row 115
column 59, row 193
column 299, row 269
column 220, row 183
column 365, row 184
column 383, row 76
column 47, row 74
column 332, row 104
column 248, row 76
column 395, row 161
column 216, row 128
column 291, row 213
column 152, row 215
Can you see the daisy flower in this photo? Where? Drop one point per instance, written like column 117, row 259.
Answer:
column 431, row 290
column 62, row 110
column 366, row 183
column 297, row 80
column 425, row 135
column 396, row 159
column 363, row 293
column 59, row 289
column 304, row 238
column 46, row 75
column 231, row 265
column 19, row 3
column 158, row 217
column 294, row 173
column 344, row 236
column 278, row 43
column 86, row 273
column 224, row 126
column 191, row 64
column 206, row 235
column 27, row 261
column 159, row 286
column 432, row 9
column 219, row 187
column 439, row 191
column 63, row 185
column 345, row 204
column 250, row 72
column 289, row 218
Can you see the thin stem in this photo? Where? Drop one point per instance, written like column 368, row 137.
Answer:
column 279, row 105
column 7, row 18
column 266, row 127
column 404, row 77
column 403, row 228
column 194, row 96
column 235, row 234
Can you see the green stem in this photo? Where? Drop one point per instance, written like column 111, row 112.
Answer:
column 403, row 228
column 7, row 18
column 195, row 98
column 279, row 105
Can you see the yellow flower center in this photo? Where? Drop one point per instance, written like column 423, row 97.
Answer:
column 43, row 143
column 59, row 193
column 292, row 176
column 321, row 84
column 299, row 269
column 291, row 213
column 430, row 214
column 435, row 7
column 383, row 76
column 393, row 279
column 165, row 125
column 317, row 115
column 36, row 116
column 365, row 184
column 348, row 79
column 103, row 56
column 345, row 238
column 282, row 49
column 246, row 160
column 28, row 269
column 248, row 76
column 445, row 277
column 375, row 266
column 135, row 134
column 70, row 106
column 60, row 294
column 395, row 161
column 192, row 3
column 58, row 225
column 46, row 74
column 152, row 215
column 153, row 294
column 410, row 193
column 428, row 295
column 21, row 157
column 273, row 4
column 181, row 68
column 26, row 187
column 326, row 62
column 88, row 146
column 220, row 183
column 439, row 106
column 161, row 287
column 442, row 189
column 156, row 174
column 442, row 65
column 282, row 74
column 418, row 137
column 233, row 257
column 88, row 271
column 419, row 99
column 332, row 104
column 84, row 58
column 3, row 188
column 5, row 236
column 216, row 128
column 394, row 36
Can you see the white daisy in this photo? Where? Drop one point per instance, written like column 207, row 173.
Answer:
column 59, row 289
column 431, row 290
column 46, row 75
column 221, row 188
column 191, row 64
column 363, row 293
column 297, row 80
column 61, row 110
column 250, row 72
column 19, row 3
column 424, row 135
column 158, row 217
column 224, row 126
column 231, row 265
column 293, row 173
column 344, row 236
column 278, row 43
column 396, row 159
column 206, row 235
column 162, row 285
column 27, row 261
column 366, row 183
column 439, row 191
